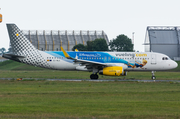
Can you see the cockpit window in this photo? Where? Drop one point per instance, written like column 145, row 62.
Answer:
column 165, row 58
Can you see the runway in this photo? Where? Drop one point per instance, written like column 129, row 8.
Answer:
column 99, row 80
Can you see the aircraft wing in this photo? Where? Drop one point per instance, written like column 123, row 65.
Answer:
column 88, row 64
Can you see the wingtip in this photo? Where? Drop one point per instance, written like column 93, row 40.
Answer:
column 64, row 52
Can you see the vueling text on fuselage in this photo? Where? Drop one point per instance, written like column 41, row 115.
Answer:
column 131, row 55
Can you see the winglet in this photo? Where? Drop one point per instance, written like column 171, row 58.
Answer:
column 76, row 50
column 65, row 53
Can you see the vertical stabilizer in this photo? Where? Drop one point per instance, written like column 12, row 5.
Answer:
column 23, row 50
column 19, row 43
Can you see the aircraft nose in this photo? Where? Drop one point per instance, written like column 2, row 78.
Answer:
column 174, row 64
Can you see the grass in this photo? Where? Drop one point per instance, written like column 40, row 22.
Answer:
column 47, row 99
column 13, row 65
column 54, row 74
column 58, row 99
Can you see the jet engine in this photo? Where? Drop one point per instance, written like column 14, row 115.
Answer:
column 112, row 71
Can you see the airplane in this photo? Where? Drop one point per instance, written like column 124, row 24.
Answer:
column 102, row 63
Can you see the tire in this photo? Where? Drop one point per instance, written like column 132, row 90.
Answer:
column 94, row 76
column 153, row 77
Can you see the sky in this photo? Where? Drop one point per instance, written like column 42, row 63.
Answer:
column 114, row 17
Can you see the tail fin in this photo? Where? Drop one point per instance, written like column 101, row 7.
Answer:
column 19, row 43
column 22, row 50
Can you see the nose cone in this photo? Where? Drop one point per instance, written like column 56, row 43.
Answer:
column 174, row 65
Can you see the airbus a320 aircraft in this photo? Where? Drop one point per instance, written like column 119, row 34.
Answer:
column 104, row 63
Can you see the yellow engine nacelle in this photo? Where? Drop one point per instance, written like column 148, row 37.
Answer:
column 112, row 71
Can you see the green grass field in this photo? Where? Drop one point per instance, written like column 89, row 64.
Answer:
column 60, row 99
column 55, row 99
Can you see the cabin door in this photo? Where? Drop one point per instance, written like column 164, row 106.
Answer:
column 153, row 59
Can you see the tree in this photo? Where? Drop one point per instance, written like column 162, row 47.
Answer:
column 121, row 43
column 2, row 50
column 9, row 50
column 80, row 47
column 96, row 45
column 89, row 46
column 99, row 45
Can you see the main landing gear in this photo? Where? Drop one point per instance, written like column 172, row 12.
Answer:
column 94, row 76
column 153, row 75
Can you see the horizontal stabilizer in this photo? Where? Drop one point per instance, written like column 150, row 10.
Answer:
column 12, row 56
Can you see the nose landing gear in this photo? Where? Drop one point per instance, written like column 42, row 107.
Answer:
column 153, row 75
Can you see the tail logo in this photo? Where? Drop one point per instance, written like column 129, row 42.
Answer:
column 17, row 34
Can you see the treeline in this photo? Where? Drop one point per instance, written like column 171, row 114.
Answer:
column 121, row 43
column 3, row 50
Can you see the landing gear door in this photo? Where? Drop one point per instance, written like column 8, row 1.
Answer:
column 153, row 59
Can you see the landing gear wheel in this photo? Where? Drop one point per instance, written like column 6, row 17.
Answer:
column 153, row 77
column 94, row 76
